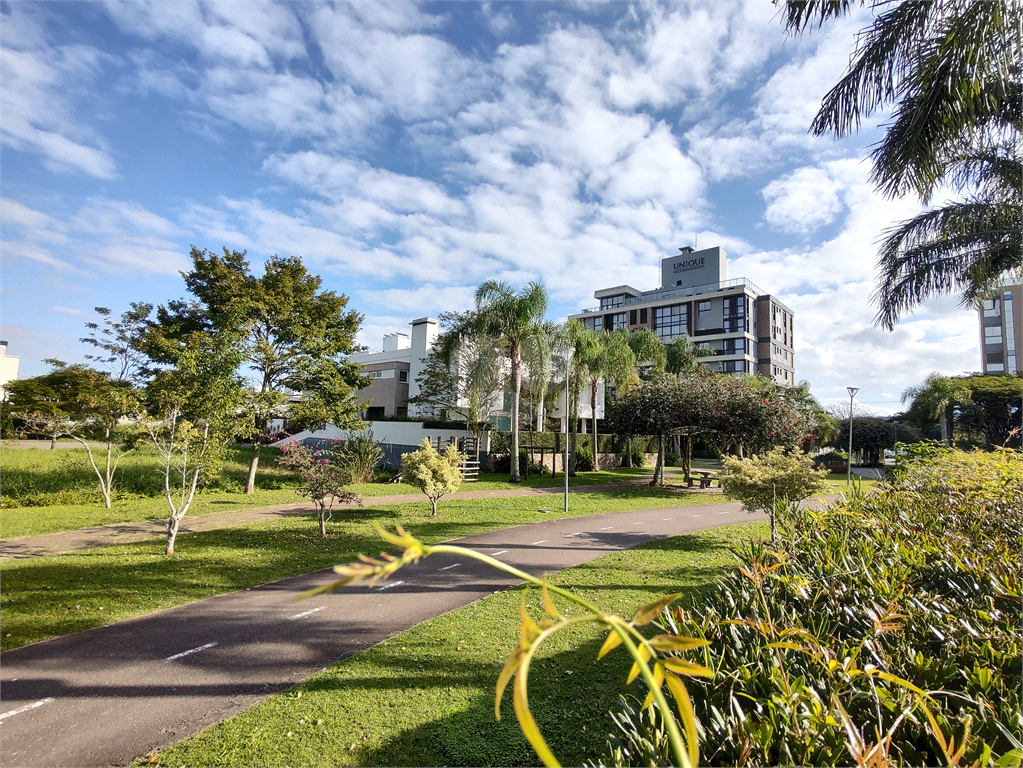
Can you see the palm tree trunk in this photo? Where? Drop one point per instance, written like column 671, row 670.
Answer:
column 593, row 412
column 516, row 375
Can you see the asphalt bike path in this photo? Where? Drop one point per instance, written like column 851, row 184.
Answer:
column 80, row 539
column 109, row 695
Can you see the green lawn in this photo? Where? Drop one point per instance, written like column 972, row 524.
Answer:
column 49, row 596
column 499, row 482
column 426, row 697
column 34, row 475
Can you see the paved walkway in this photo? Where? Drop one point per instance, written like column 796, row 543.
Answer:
column 62, row 542
column 109, row 695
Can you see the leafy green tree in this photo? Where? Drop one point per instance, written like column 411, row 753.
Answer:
column 81, row 403
column 650, row 352
column 951, row 70
column 193, row 410
column 782, row 474
column 994, row 409
column 293, row 337
column 119, row 343
column 513, row 319
column 871, row 435
column 433, row 473
column 940, row 396
column 683, row 356
column 751, row 414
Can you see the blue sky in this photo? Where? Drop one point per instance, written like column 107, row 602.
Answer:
column 409, row 152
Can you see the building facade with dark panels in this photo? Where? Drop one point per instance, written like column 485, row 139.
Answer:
column 1001, row 332
column 749, row 330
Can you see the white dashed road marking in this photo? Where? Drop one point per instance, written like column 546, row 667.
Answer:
column 607, row 527
column 389, row 586
column 449, row 567
column 538, row 542
column 667, row 518
column 189, row 653
column 306, row 613
column 726, row 512
column 26, row 708
column 499, row 553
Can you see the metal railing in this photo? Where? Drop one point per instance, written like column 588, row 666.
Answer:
column 665, row 294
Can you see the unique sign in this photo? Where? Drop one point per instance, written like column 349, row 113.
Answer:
column 691, row 268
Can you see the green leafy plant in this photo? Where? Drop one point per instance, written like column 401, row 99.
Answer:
column 780, row 475
column 881, row 630
column 433, row 473
column 360, row 454
column 655, row 659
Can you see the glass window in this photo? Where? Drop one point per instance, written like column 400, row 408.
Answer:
column 703, row 308
column 995, row 368
column 619, row 321
column 594, row 323
column 403, row 377
column 993, row 332
column 610, row 302
column 671, row 322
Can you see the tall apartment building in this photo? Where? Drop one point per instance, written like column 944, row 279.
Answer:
column 749, row 331
column 1001, row 334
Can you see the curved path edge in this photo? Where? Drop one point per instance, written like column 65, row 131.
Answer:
column 109, row 695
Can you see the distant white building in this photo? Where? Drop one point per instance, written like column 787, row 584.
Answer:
column 8, row 369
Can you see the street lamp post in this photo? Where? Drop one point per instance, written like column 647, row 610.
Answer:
column 565, row 353
column 848, row 464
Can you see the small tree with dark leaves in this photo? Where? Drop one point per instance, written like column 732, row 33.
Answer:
column 323, row 481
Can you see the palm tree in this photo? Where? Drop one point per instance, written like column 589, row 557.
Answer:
column 649, row 351
column 515, row 319
column 683, row 356
column 951, row 69
column 603, row 357
column 940, row 395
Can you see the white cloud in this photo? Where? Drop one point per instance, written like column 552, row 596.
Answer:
column 803, row 200
column 34, row 100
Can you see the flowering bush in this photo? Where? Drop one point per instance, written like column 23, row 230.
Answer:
column 322, row 481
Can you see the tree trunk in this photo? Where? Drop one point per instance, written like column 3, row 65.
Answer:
column 53, row 440
column 949, row 425
column 516, row 375
column 593, row 412
column 172, row 533
column 662, row 461
column 659, row 463
column 627, row 461
column 687, row 456
column 321, row 513
column 250, row 481
column 434, row 502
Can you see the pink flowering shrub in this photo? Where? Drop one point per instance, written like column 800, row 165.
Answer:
column 322, row 481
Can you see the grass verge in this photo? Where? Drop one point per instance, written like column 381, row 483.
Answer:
column 32, row 520
column 50, row 596
column 426, row 697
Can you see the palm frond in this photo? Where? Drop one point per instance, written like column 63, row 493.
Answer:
column 960, row 247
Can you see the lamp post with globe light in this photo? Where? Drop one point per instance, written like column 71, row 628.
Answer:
column 852, row 393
